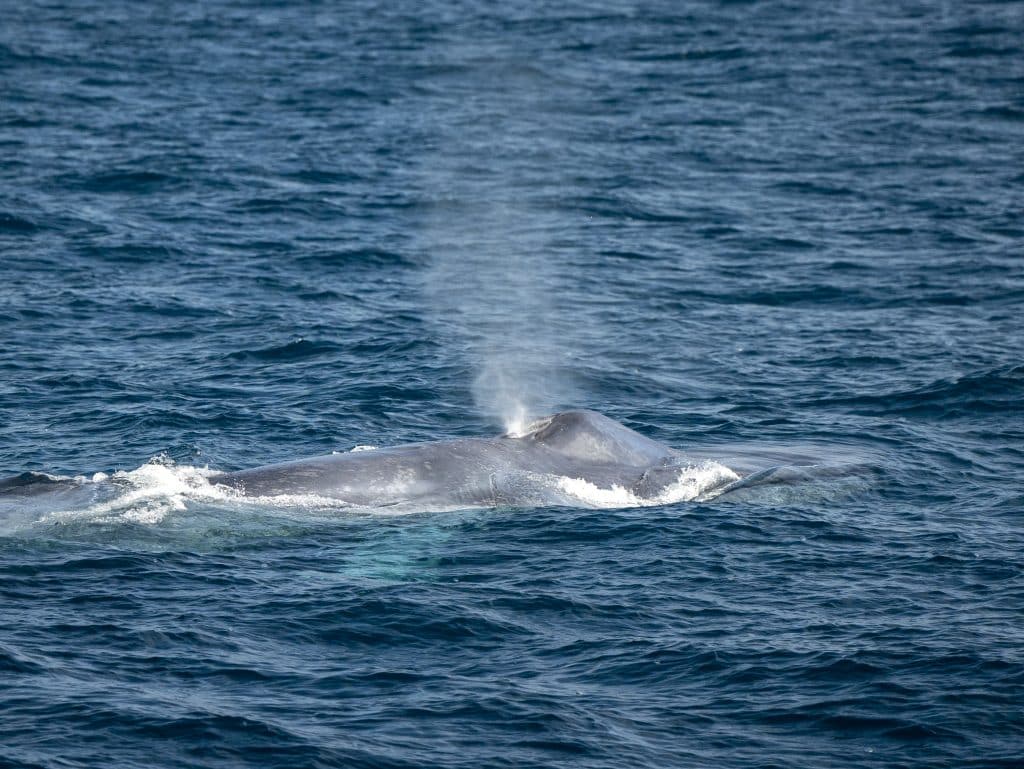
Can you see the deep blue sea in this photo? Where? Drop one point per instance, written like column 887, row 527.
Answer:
column 236, row 233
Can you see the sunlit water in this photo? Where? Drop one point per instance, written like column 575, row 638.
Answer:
column 236, row 234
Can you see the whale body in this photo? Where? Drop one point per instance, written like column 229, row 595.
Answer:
column 570, row 459
column 507, row 469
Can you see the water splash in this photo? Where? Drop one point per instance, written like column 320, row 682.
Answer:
column 695, row 482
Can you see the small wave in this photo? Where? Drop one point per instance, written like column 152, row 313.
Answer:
column 356, row 258
column 297, row 349
column 988, row 391
column 128, row 181
column 12, row 223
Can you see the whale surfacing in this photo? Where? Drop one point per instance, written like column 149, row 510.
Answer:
column 571, row 459
column 509, row 469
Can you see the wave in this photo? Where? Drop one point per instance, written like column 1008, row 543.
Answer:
column 988, row 391
column 297, row 349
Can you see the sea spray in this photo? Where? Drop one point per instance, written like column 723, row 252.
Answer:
column 497, row 283
column 493, row 290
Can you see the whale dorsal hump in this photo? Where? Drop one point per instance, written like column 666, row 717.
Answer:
column 588, row 435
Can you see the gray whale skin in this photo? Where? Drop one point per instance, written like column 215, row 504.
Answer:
column 507, row 469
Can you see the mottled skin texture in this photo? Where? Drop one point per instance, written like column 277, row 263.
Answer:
column 474, row 471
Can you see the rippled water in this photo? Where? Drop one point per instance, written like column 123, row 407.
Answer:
column 233, row 234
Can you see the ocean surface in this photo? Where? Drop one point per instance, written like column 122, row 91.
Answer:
column 237, row 233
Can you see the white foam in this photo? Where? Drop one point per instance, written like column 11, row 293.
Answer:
column 693, row 483
column 148, row 493
column 152, row 492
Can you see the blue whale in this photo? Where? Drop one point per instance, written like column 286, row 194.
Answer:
column 574, row 458
column 512, row 469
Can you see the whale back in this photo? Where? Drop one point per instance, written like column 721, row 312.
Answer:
column 592, row 437
column 577, row 444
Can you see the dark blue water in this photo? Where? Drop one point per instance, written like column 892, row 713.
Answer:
column 234, row 233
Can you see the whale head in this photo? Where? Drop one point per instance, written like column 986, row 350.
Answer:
column 589, row 436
